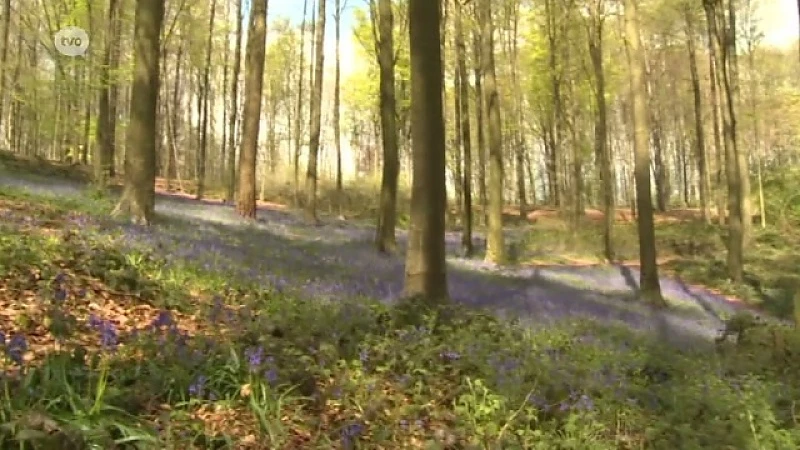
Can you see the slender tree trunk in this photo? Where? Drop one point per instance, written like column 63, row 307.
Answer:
column 298, row 130
column 6, row 24
column 480, row 123
column 232, row 121
column 699, row 135
column 337, row 132
column 464, row 126
column 251, row 116
column 138, row 197
column 387, row 214
column 103, row 158
column 206, row 95
column 316, row 117
column 649, row 284
column 716, row 117
column 602, row 151
column 426, row 272
column 495, row 242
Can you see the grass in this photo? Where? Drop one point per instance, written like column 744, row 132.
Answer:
column 107, row 345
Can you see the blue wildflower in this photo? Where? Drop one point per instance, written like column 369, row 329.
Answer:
column 60, row 295
column 197, row 388
column 16, row 348
column 164, row 319
column 350, row 434
column 255, row 356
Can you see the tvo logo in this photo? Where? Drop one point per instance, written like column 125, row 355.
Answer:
column 71, row 41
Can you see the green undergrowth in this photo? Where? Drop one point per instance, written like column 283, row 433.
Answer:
column 107, row 348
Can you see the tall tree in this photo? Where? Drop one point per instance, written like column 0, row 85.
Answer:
column 138, row 197
column 464, row 126
column 595, row 25
column 104, row 151
column 6, row 24
column 298, row 123
column 387, row 214
column 495, row 241
column 426, row 271
column 649, row 284
column 253, row 85
column 699, row 135
column 206, row 96
column 233, row 120
column 316, row 117
column 337, row 130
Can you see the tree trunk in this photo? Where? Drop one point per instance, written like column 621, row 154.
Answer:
column 6, row 24
column 298, row 130
column 699, row 135
column 251, row 116
column 104, row 153
column 232, row 121
column 602, row 151
column 649, row 284
column 206, row 95
column 138, row 198
column 495, row 243
column 426, row 272
column 337, row 131
column 466, row 139
column 387, row 214
column 480, row 123
column 316, row 117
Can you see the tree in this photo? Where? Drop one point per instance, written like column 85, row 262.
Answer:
column 316, row 117
column 495, row 243
column 337, row 130
column 649, row 284
column 232, row 121
column 205, row 96
column 463, row 104
column 253, row 85
column 387, row 213
column 602, row 152
column 138, row 197
column 426, row 272
column 104, row 151
column 699, row 135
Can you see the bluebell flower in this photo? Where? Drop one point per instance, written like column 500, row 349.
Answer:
column 197, row 388
column 60, row 295
column 16, row 348
column 255, row 356
column 164, row 319
column 363, row 356
column 350, row 434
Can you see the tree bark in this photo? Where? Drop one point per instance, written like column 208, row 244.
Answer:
column 387, row 214
column 233, row 120
column 495, row 242
column 649, row 284
column 206, row 95
column 699, row 135
column 316, row 117
column 425, row 272
column 464, row 126
column 251, row 117
column 138, row 198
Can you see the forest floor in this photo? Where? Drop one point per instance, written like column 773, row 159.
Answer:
column 208, row 331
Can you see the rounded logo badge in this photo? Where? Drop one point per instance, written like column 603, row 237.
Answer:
column 72, row 41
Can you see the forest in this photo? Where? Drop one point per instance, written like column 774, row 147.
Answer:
column 380, row 224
